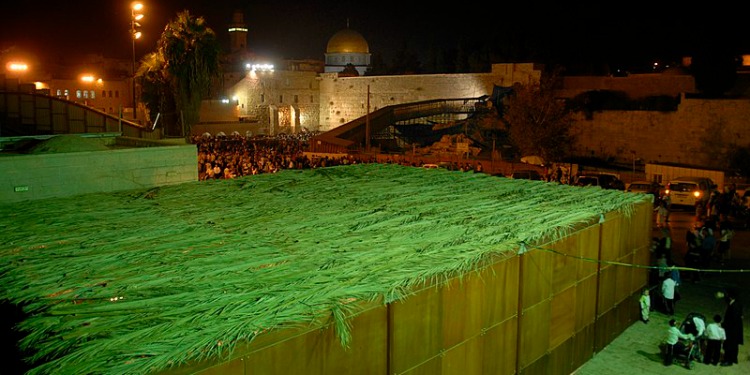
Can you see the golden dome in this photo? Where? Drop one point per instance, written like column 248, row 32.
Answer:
column 347, row 41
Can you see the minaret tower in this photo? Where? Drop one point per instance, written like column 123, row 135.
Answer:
column 237, row 32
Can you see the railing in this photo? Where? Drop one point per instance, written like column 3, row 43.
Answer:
column 354, row 133
column 25, row 114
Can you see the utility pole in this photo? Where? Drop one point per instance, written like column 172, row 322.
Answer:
column 367, row 122
column 135, row 33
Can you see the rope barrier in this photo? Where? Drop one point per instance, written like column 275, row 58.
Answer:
column 528, row 247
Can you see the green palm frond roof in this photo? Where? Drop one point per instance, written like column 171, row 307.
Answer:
column 135, row 282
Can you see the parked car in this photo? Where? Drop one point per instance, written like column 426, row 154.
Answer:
column 526, row 174
column 603, row 180
column 646, row 187
column 688, row 191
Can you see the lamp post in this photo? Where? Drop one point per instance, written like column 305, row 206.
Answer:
column 135, row 33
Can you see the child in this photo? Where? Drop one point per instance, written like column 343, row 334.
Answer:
column 715, row 335
column 645, row 302
column 673, row 337
column 661, row 214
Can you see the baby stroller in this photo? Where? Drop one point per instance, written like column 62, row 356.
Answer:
column 695, row 324
column 687, row 351
column 690, row 350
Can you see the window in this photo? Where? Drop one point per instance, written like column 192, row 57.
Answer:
column 281, row 98
column 296, row 99
column 104, row 93
column 78, row 94
column 312, row 99
column 85, row 94
column 262, row 98
column 59, row 92
column 67, row 93
column 110, row 93
column 93, row 94
column 117, row 94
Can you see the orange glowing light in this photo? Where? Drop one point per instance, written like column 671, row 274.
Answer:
column 17, row 67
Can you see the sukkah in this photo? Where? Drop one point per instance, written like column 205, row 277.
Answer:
column 139, row 281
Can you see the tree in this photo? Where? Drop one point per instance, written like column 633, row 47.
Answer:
column 157, row 92
column 538, row 122
column 190, row 52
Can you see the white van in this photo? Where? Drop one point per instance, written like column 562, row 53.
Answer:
column 687, row 191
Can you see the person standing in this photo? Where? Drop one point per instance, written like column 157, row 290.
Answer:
column 694, row 252
column 726, row 234
column 733, row 327
column 645, row 302
column 666, row 243
column 715, row 335
column 662, row 264
column 708, row 243
column 667, row 291
column 661, row 215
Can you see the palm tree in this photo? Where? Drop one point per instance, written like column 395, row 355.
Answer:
column 191, row 53
column 157, row 93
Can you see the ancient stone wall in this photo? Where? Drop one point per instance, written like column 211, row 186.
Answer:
column 635, row 86
column 700, row 132
column 345, row 99
column 293, row 96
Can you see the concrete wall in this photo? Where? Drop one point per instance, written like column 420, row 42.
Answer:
column 32, row 177
column 701, row 132
column 345, row 99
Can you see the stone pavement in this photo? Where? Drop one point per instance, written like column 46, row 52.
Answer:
column 636, row 350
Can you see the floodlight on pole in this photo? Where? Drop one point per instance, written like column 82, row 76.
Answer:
column 135, row 33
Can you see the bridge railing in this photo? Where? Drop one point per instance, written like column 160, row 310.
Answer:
column 348, row 136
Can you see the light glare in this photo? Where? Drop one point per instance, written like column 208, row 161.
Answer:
column 17, row 67
column 259, row 67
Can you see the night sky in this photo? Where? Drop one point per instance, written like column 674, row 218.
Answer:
column 562, row 32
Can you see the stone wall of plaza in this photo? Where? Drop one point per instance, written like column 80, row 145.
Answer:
column 343, row 99
column 282, row 101
column 700, row 132
column 635, row 85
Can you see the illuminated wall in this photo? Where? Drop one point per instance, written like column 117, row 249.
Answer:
column 288, row 92
column 345, row 99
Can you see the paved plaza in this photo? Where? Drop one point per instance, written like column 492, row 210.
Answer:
column 636, row 351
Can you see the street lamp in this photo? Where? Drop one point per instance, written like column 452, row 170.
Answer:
column 135, row 33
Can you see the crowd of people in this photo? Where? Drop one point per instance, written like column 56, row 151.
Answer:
column 713, row 343
column 707, row 244
column 236, row 155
